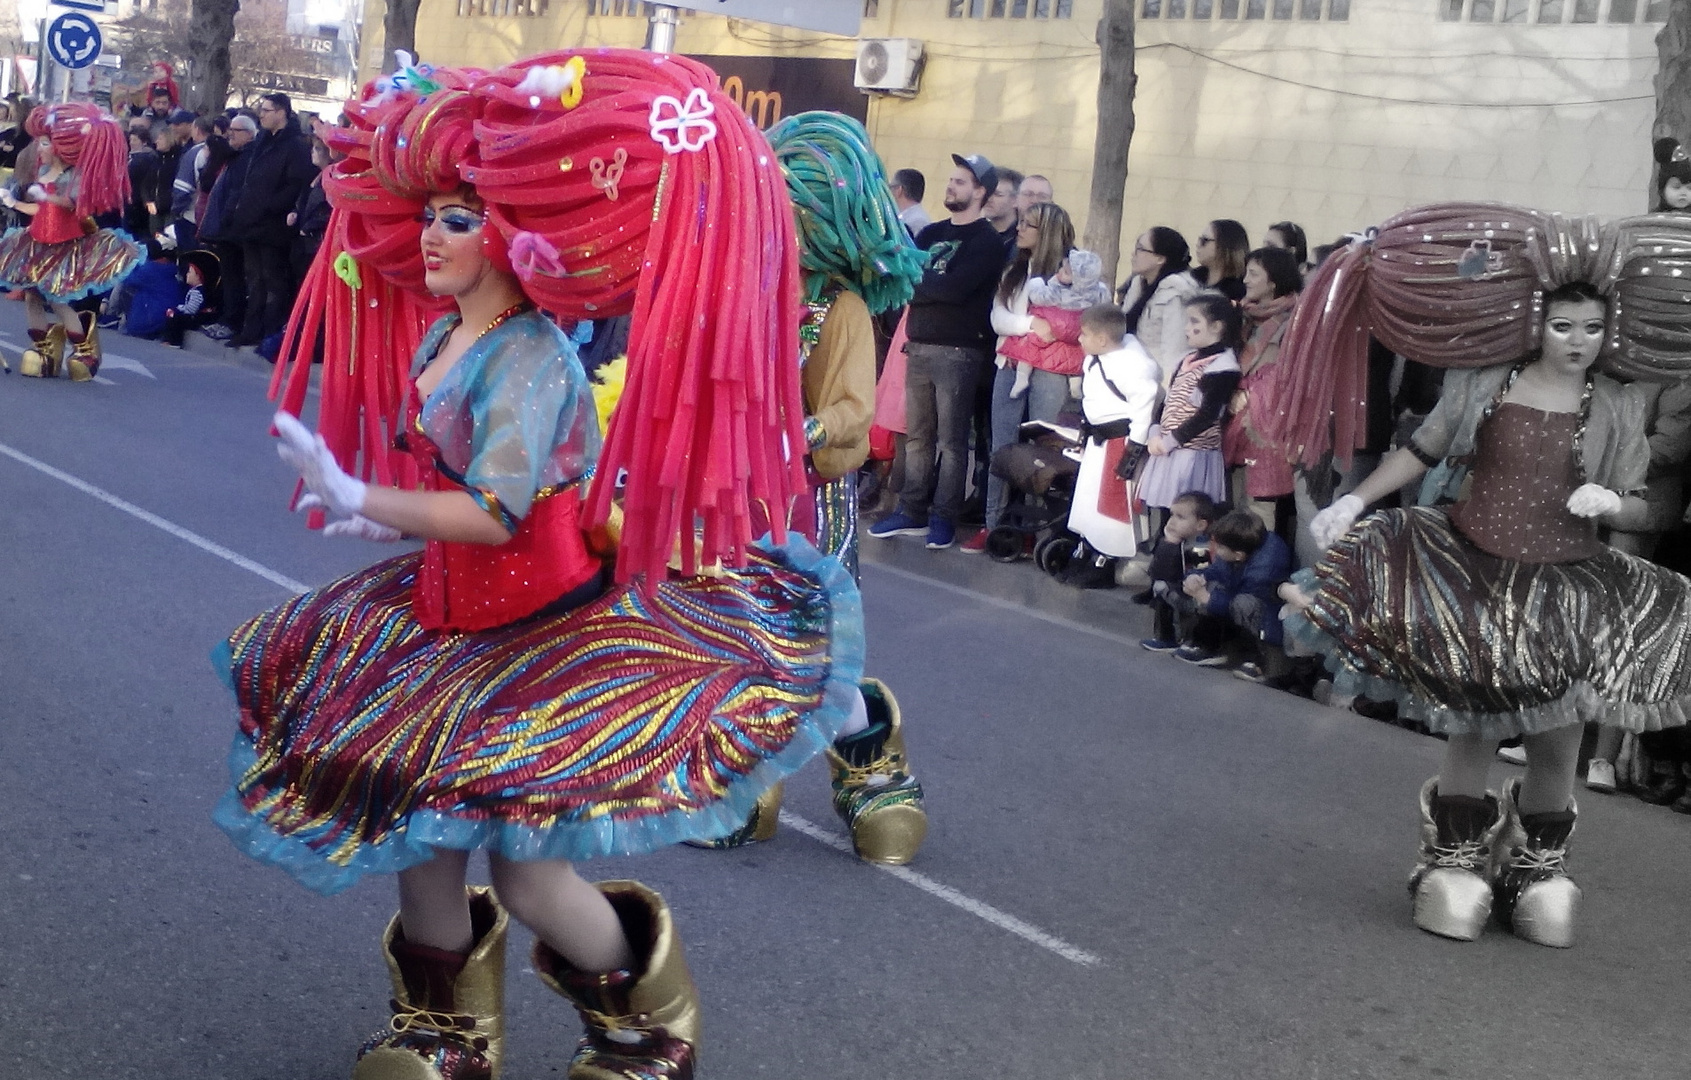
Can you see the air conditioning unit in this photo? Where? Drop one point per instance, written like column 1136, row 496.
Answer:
column 889, row 65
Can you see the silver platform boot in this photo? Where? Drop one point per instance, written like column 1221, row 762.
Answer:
column 1536, row 899
column 1452, row 882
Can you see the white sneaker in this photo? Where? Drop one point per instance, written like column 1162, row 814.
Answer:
column 1514, row 755
column 1600, row 775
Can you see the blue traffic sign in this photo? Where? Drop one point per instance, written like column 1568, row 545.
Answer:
column 73, row 40
column 96, row 6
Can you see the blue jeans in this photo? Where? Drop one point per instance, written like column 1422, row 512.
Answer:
column 1045, row 397
column 939, row 402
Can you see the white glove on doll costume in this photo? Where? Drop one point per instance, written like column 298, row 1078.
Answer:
column 1330, row 524
column 327, row 484
column 1593, row 500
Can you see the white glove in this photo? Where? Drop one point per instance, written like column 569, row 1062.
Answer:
column 357, row 527
column 36, row 192
column 1593, row 500
column 1333, row 522
column 337, row 492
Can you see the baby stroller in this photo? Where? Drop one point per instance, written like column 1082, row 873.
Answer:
column 1040, row 469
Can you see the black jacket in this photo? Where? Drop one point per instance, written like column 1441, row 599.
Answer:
column 953, row 303
column 277, row 166
column 312, row 210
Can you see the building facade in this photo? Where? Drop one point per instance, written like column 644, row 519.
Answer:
column 1332, row 113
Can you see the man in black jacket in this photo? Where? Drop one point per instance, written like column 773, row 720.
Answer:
column 278, row 167
column 950, row 345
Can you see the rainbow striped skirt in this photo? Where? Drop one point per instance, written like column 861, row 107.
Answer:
column 636, row 721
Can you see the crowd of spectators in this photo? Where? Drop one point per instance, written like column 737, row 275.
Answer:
column 230, row 207
column 981, row 351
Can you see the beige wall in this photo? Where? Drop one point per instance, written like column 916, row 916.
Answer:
column 1223, row 128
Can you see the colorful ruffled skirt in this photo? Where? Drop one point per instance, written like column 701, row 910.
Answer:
column 627, row 724
column 1406, row 609
column 66, row 272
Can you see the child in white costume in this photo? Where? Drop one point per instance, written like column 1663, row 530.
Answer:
column 1120, row 383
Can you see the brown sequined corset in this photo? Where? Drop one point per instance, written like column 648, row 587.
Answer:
column 1517, row 504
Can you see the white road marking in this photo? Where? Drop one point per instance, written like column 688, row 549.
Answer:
column 116, row 362
column 1010, row 923
column 962, row 902
column 156, row 522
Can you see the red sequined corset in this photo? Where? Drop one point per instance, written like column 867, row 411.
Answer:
column 54, row 224
column 479, row 586
column 1517, row 504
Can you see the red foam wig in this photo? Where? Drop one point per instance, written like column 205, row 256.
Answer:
column 95, row 146
column 641, row 188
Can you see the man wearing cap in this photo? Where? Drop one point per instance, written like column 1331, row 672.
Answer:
column 950, row 341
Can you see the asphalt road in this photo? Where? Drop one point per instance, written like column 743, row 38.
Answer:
column 1135, row 869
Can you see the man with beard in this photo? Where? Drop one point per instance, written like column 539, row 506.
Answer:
column 949, row 328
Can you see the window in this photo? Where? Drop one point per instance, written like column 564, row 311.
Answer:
column 1018, row 9
column 1553, row 12
column 502, row 7
column 1312, row 10
column 617, row 7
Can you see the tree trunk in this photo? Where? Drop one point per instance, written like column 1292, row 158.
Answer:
column 399, row 30
column 211, row 27
column 1116, row 82
column 1673, row 80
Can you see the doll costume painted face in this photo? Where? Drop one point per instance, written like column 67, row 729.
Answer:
column 454, row 259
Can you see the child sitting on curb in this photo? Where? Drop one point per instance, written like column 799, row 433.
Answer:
column 1237, row 596
column 1184, row 549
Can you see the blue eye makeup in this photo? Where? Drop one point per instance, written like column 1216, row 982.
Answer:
column 456, row 220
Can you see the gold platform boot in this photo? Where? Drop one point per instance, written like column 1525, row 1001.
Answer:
column 41, row 360
column 643, row 1022
column 85, row 354
column 874, row 793
column 448, row 1008
column 1536, row 899
column 1452, row 881
column 760, row 824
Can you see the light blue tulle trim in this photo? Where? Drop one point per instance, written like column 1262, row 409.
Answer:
column 425, row 831
column 101, row 286
column 1579, row 703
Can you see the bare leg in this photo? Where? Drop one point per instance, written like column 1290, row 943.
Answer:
column 433, row 907
column 1551, row 760
column 68, row 317
column 1467, row 762
column 565, row 912
column 35, row 310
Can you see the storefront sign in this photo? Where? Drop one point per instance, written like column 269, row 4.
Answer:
column 771, row 87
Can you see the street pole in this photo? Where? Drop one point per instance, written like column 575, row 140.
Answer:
column 660, row 32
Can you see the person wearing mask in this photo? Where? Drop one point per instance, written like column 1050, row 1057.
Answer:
column 278, row 169
column 223, row 177
column 1223, row 247
column 1157, row 293
column 949, row 330
column 1035, row 189
column 908, row 187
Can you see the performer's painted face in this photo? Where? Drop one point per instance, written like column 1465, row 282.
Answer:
column 453, row 259
column 1676, row 193
column 1573, row 333
column 1201, row 332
